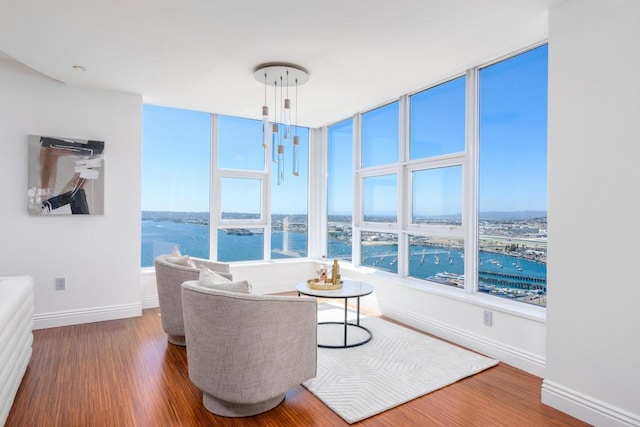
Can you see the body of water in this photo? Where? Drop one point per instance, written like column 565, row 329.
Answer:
column 436, row 263
column 160, row 237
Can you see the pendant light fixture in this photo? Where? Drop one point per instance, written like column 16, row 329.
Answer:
column 296, row 140
column 265, row 117
column 279, row 133
column 286, row 114
column 280, row 145
column 274, row 128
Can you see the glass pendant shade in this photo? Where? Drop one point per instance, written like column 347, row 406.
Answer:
column 274, row 143
column 296, row 154
column 286, row 119
column 280, row 164
column 266, row 130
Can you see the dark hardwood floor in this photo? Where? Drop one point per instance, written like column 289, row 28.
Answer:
column 124, row 373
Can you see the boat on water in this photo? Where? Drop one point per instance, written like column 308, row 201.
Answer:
column 450, row 278
column 238, row 232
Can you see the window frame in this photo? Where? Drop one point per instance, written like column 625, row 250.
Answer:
column 325, row 199
column 468, row 160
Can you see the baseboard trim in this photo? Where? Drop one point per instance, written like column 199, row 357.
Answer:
column 150, row 301
column 526, row 361
column 586, row 408
column 89, row 315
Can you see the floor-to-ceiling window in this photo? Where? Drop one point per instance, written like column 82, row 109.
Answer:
column 289, row 203
column 445, row 186
column 512, row 178
column 378, row 183
column 175, row 182
column 254, row 216
column 340, row 190
column 426, row 161
column 241, row 177
column 434, row 183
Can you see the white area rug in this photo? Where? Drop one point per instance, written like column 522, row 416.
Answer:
column 396, row 366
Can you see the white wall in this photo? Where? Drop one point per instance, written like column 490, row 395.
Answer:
column 593, row 319
column 98, row 255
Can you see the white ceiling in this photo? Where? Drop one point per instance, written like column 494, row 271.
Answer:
column 201, row 54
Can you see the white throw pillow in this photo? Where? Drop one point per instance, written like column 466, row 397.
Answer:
column 215, row 277
column 210, row 282
column 175, row 251
column 184, row 260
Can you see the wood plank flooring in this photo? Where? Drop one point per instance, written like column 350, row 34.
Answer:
column 124, row 373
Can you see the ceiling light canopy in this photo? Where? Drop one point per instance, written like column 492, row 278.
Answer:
column 276, row 130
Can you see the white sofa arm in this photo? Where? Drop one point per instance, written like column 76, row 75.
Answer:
column 16, row 337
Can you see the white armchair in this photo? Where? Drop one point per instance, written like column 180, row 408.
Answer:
column 244, row 351
column 169, row 277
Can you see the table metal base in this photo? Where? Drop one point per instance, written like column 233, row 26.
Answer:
column 346, row 325
column 350, row 289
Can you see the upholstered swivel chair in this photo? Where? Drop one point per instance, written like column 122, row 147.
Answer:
column 169, row 277
column 244, row 351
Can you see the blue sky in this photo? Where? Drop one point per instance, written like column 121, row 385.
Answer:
column 513, row 153
column 513, row 133
column 340, row 157
column 175, row 160
column 176, row 163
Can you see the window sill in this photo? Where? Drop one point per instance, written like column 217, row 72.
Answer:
column 519, row 309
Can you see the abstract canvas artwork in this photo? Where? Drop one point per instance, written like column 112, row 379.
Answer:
column 66, row 176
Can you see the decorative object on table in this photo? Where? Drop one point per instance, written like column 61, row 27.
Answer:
column 322, row 272
column 322, row 285
column 335, row 272
column 322, row 282
column 65, row 176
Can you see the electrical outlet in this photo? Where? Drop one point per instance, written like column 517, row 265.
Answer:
column 60, row 283
column 487, row 318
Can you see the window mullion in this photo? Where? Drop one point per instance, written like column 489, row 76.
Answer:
column 404, row 195
column 215, row 189
column 470, row 184
column 318, row 192
column 356, row 256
